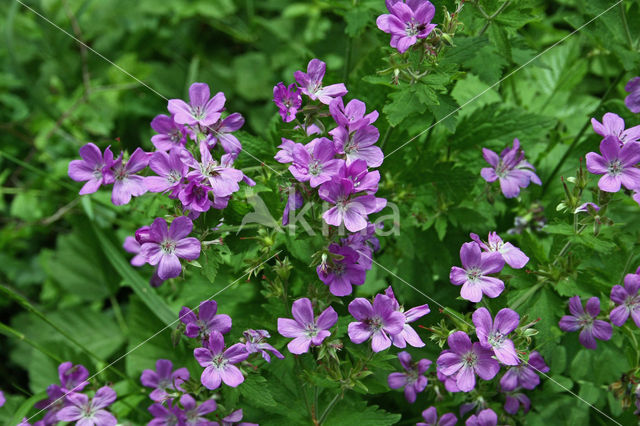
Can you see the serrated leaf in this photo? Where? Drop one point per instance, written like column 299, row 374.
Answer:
column 257, row 391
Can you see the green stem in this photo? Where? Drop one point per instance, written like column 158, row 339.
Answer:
column 385, row 137
column 625, row 25
column 330, row 407
column 10, row 332
column 492, row 17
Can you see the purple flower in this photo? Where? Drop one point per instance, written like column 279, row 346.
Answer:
column 89, row 412
column 616, row 164
column 511, row 254
column 164, row 380
column 484, row 418
column 305, row 328
column 587, row 208
column 633, row 100
column 171, row 415
column 170, row 170
column 285, row 155
column 628, row 301
column 2, row 399
column 464, row 361
column 194, row 413
column 524, row 375
column 353, row 115
column 133, row 244
column 408, row 334
column 206, row 322
column 255, row 342
column 430, row 416
column 288, row 100
column 358, row 144
column 513, row 171
column 514, row 401
column 413, row 380
column 378, row 321
column 233, row 419
column 591, row 327
column 222, row 132
column 407, row 22
column 494, row 334
column 473, row 277
column 350, row 211
column 343, row 273
column 363, row 180
column 167, row 245
column 201, row 109
column 125, row 182
column 222, row 178
column 613, row 125
column 92, row 169
column 314, row 163
column 195, row 197
column 310, row 83
column 171, row 134
column 72, row 379
column 294, row 202
column 219, row 363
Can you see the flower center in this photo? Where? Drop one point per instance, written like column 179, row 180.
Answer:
column 375, row 324
column 175, row 135
column 470, row 359
column 411, row 29
column 219, row 361
column 198, row 112
column 97, row 171
column 120, row 173
column 168, row 246
column 614, row 168
column 311, row 330
column 496, row 339
column 474, row 273
column 586, row 320
column 174, row 177
column 315, row 168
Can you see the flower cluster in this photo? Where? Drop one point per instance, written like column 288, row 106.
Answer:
column 177, row 399
column 199, row 175
column 67, row 403
column 333, row 168
column 510, row 168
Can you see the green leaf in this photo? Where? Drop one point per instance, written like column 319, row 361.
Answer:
column 141, row 287
column 257, row 391
column 361, row 415
column 405, row 102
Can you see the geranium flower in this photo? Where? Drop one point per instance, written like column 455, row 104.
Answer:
column 92, row 169
column 207, row 320
column 494, row 334
column 407, row 22
column 164, row 380
column 473, row 276
column 219, row 363
column 591, row 328
column 613, row 125
column 310, row 83
column 304, row 328
column 377, row 322
column 633, row 100
column 430, row 416
column 89, row 412
column 413, row 380
column 628, row 301
column 616, row 164
column 201, row 109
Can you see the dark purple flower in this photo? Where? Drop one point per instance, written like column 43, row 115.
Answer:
column 358, row 144
column 343, row 273
column 511, row 254
column 171, row 134
column 219, row 363
column 494, row 334
column 288, row 100
column 314, row 163
column 613, row 125
column 195, row 196
column 125, row 181
column 194, row 413
column 234, row 419
column 168, row 245
column 514, row 401
column 164, row 380
column 222, row 132
column 310, row 83
column 73, row 378
column 222, row 178
column 350, row 211
column 587, row 208
column 89, row 412
column 484, row 418
column 305, row 328
column 255, row 342
column 464, row 360
column 92, row 168
column 207, row 321
column 363, row 180
column 633, row 100
column 377, row 322
column 450, row 382
column 628, row 301
column 413, row 380
column 170, row 170
column 353, row 115
column 407, row 22
column 513, row 171
column 591, row 328
column 171, row 415
column 616, row 164
column 430, row 416
column 524, row 375
column 201, row 109
column 473, row 276
column 408, row 334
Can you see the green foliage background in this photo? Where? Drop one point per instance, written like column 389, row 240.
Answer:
column 82, row 300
